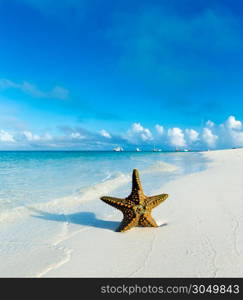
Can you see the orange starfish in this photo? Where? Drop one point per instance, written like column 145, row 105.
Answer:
column 136, row 208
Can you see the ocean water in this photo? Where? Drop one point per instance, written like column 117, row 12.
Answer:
column 47, row 197
column 36, row 177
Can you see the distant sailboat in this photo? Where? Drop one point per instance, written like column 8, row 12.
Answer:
column 138, row 150
column 118, row 149
column 156, row 149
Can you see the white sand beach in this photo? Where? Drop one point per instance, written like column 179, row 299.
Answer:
column 200, row 233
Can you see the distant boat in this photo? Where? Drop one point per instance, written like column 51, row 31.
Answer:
column 183, row 150
column 138, row 150
column 156, row 149
column 118, row 149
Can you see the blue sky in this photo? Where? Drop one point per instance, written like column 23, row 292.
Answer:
column 98, row 74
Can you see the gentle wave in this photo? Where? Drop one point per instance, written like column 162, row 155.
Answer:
column 110, row 182
column 71, row 201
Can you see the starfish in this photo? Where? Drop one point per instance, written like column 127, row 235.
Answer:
column 137, row 207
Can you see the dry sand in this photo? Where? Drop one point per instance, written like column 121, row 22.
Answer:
column 200, row 233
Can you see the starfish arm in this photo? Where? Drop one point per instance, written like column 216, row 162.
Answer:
column 156, row 200
column 130, row 220
column 115, row 202
column 136, row 183
column 146, row 220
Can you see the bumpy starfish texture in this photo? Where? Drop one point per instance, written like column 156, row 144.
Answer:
column 137, row 207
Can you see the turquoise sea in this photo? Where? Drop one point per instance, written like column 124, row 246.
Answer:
column 47, row 197
column 31, row 177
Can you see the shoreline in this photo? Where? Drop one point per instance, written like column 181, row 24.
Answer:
column 199, row 233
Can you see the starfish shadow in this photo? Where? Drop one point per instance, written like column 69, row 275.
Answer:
column 82, row 218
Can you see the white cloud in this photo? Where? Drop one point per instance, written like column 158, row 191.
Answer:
column 138, row 133
column 105, row 134
column 6, row 137
column 76, row 135
column 137, row 127
column 146, row 135
column 57, row 92
column 144, row 132
column 209, row 138
column 192, row 135
column 226, row 135
column 30, row 136
column 176, row 137
column 159, row 129
column 209, row 124
column 232, row 123
column 237, row 138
